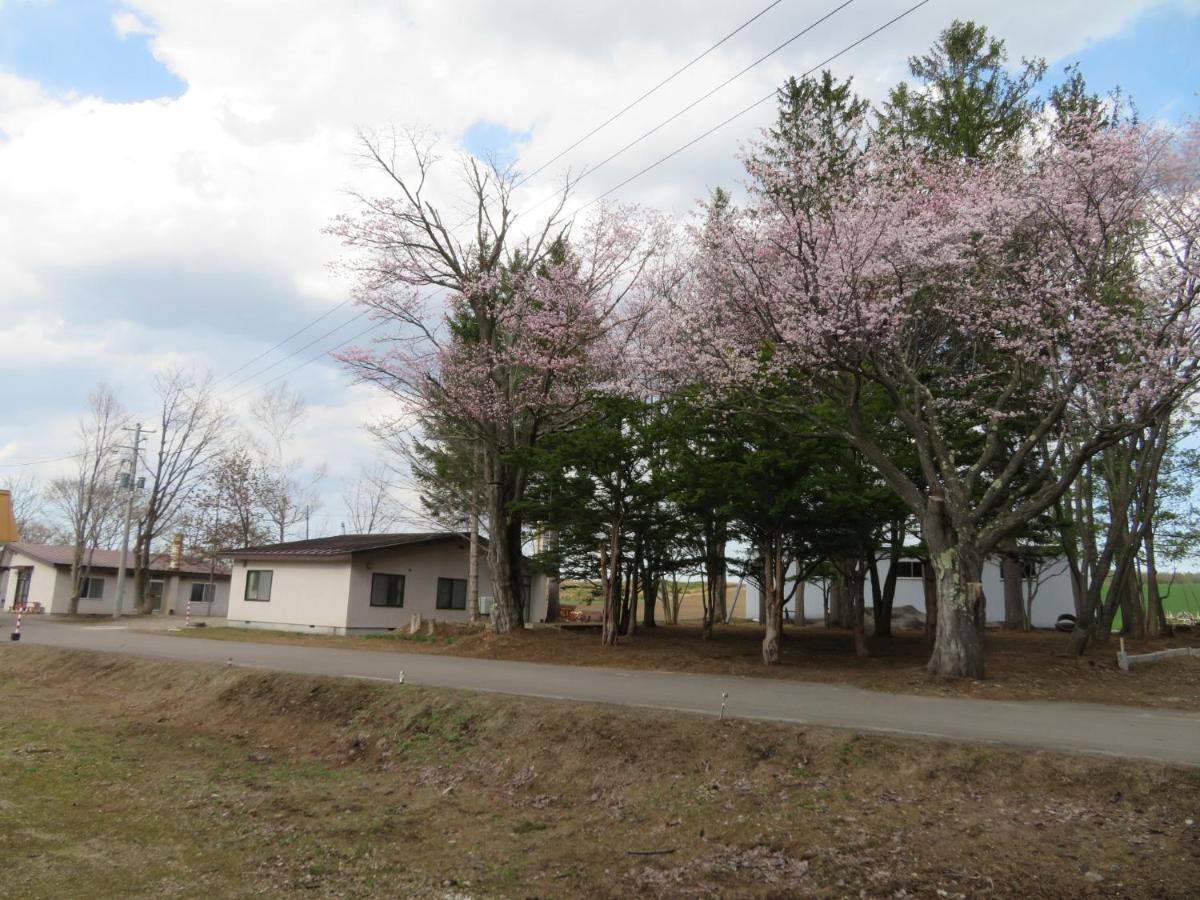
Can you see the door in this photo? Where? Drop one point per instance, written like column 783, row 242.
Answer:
column 21, row 597
column 154, row 591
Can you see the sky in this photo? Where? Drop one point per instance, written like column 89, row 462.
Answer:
column 167, row 167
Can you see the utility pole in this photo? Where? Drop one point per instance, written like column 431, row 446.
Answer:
column 130, row 486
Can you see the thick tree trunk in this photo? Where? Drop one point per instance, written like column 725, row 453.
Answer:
column 504, row 548
column 876, row 593
column 958, row 567
column 473, row 566
column 649, row 598
column 1014, row 601
column 714, row 574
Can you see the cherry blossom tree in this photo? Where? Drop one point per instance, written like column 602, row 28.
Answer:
column 1018, row 315
column 501, row 332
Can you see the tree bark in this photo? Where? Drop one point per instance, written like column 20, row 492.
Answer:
column 1156, row 619
column 958, row 567
column 504, row 547
column 929, row 586
column 649, row 599
column 611, row 576
column 858, row 593
column 552, row 581
column 772, row 600
column 1014, row 602
column 473, row 566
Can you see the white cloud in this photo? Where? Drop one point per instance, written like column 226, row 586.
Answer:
column 193, row 225
column 126, row 23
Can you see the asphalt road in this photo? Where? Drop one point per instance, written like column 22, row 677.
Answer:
column 1161, row 735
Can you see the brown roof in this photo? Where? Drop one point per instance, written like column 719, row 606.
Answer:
column 62, row 555
column 343, row 546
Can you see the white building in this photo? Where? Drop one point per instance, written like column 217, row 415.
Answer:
column 40, row 575
column 1051, row 590
column 361, row 583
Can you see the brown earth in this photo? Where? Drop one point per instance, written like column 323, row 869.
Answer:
column 1020, row 666
column 126, row 778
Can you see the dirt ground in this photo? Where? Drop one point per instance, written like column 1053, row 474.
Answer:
column 1020, row 666
column 127, row 778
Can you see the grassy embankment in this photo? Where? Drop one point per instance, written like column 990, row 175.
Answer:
column 126, row 778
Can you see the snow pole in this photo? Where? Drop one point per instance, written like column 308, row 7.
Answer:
column 187, row 615
column 16, row 635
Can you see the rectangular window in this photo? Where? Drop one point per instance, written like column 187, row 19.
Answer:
column 258, row 585
column 910, row 568
column 387, row 590
column 202, row 593
column 452, row 593
column 91, row 589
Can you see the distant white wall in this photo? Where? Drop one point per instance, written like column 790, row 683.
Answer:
column 1053, row 595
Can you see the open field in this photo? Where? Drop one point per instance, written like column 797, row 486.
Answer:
column 128, row 778
column 1021, row 666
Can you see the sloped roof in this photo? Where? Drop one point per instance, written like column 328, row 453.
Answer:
column 62, row 555
column 343, row 546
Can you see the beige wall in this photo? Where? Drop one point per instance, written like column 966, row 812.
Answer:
column 305, row 595
column 42, row 586
column 421, row 565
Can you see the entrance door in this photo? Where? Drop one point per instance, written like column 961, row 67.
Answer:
column 21, row 597
column 154, row 590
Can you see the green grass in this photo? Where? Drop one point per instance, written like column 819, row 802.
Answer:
column 1182, row 599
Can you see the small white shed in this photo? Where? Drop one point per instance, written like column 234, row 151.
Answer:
column 361, row 583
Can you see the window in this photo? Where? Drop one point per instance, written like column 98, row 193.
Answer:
column 202, row 593
column 258, row 585
column 387, row 590
column 452, row 593
column 910, row 568
column 91, row 589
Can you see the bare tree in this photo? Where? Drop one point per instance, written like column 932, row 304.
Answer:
column 289, row 487
column 370, row 506
column 86, row 502
column 186, row 441
column 28, row 501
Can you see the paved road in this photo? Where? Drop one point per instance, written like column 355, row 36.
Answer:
column 1161, row 735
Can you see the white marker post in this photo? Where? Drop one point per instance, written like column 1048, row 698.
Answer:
column 16, row 635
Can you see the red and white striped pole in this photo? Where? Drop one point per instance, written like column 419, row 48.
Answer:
column 16, row 635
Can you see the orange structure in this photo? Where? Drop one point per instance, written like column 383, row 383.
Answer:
column 8, row 522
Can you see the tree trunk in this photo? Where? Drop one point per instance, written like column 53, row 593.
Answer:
column 1014, row 602
column 612, row 588
column 772, row 600
column 883, row 625
column 504, row 547
column 958, row 567
column 649, row 599
column 1156, row 619
column 552, row 579
column 876, row 592
column 929, row 587
column 858, row 593
column 473, row 567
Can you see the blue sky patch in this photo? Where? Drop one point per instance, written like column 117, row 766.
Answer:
column 71, row 46
column 489, row 140
column 1155, row 61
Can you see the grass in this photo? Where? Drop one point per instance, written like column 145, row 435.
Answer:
column 1181, row 602
column 128, row 778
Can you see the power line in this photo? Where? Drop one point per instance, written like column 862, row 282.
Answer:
column 39, row 462
column 689, row 107
column 762, row 12
column 759, row 102
column 297, row 351
column 309, row 362
column 272, row 349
